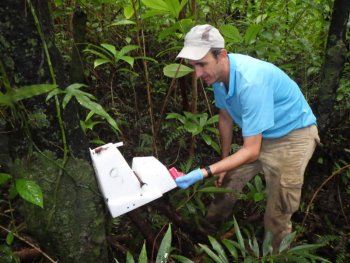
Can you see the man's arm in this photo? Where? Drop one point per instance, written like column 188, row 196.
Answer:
column 248, row 153
column 225, row 128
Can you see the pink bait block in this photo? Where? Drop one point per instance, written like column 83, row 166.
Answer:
column 175, row 173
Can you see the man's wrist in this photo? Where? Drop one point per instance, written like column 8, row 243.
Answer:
column 209, row 172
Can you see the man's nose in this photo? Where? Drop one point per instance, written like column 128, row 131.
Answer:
column 199, row 72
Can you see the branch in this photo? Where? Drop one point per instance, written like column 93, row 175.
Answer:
column 29, row 243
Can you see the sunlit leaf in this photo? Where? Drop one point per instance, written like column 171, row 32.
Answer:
column 176, row 70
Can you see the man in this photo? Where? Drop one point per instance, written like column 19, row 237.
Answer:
column 278, row 127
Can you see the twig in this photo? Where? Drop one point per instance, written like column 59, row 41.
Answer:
column 320, row 187
column 29, row 243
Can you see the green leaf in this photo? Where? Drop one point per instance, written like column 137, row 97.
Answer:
column 176, row 70
column 30, row 191
column 210, row 253
column 164, row 249
column 207, row 139
column 110, row 48
column 231, row 248
column 254, row 247
column 9, row 238
column 129, row 258
column 193, row 128
column 173, row 7
column 218, row 248
column 181, row 259
column 143, row 255
column 127, row 59
column 239, row 237
column 213, row 119
column 53, row 93
column 100, row 61
column 25, row 92
column 176, row 116
column 287, row 240
column 156, row 4
column 123, row 22
column 305, row 247
column 267, row 244
column 251, row 33
column 215, row 190
column 231, row 33
column 128, row 11
column 4, row 178
column 126, row 49
column 97, row 109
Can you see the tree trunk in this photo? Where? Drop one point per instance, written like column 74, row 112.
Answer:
column 71, row 227
column 334, row 61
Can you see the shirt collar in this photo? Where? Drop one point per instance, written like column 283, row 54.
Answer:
column 232, row 70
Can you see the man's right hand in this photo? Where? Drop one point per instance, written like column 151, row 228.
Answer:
column 189, row 179
column 219, row 179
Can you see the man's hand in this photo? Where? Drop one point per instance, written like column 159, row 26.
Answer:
column 189, row 179
column 219, row 179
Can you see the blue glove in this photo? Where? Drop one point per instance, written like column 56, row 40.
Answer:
column 189, row 179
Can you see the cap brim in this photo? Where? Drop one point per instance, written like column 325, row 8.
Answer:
column 193, row 53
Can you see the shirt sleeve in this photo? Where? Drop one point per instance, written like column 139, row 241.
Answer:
column 257, row 104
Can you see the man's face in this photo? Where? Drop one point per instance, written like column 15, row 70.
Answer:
column 208, row 68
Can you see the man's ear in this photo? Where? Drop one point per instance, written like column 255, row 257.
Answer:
column 223, row 53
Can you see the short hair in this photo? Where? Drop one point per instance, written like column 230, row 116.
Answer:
column 215, row 51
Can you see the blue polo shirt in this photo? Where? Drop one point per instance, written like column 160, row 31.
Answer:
column 261, row 98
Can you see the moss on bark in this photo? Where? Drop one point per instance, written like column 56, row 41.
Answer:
column 72, row 208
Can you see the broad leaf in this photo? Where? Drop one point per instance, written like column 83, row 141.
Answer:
column 110, row 48
column 231, row 33
column 30, row 191
column 156, row 4
column 101, row 61
column 176, row 70
column 251, row 33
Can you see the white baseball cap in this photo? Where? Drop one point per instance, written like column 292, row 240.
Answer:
column 199, row 40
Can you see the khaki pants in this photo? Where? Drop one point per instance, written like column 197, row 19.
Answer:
column 283, row 162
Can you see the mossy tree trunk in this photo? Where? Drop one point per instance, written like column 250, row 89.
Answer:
column 333, row 66
column 71, row 227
